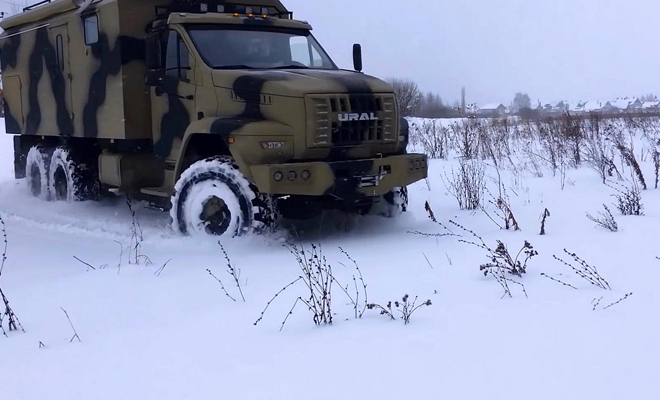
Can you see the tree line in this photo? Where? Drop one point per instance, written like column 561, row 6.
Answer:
column 414, row 103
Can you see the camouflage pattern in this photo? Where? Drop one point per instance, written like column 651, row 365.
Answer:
column 98, row 91
column 269, row 120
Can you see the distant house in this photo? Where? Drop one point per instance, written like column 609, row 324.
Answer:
column 620, row 105
column 623, row 104
column 592, row 106
column 575, row 108
column 635, row 105
column 493, row 110
column 556, row 108
column 650, row 106
column 539, row 107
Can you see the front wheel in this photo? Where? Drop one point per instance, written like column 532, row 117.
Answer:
column 392, row 204
column 213, row 197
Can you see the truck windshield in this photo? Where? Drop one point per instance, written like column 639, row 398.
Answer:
column 231, row 47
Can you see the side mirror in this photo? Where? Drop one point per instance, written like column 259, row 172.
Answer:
column 357, row 57
column 153, row 57
column 153, row 51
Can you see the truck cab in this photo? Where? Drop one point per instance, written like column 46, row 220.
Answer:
column 229, row 114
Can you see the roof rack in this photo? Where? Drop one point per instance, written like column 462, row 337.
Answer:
column 204, row 6
column 35, row 5
column 220, row 6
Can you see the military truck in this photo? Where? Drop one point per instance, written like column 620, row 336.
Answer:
column 229, row 114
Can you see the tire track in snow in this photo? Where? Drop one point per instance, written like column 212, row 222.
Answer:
column 109, row 219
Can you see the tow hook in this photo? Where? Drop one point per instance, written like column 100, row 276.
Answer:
column 374, row 180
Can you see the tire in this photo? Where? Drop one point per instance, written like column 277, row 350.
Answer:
column 268, row 215
column 213, row 197
column 392, row 204
column 69, row 180
column 36, row 172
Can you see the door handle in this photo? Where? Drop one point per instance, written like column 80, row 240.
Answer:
column 189, row 97
column 160, row 91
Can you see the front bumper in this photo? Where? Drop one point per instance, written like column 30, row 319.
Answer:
column 345, row 179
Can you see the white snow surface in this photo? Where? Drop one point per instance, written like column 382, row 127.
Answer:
column 6, row 154
column 177, row 336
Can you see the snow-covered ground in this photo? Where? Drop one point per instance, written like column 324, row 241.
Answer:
column 177, row 336
column 6, row 155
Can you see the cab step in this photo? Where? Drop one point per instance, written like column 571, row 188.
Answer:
column 155, row 192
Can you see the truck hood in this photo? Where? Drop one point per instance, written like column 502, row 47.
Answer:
column 298, row 82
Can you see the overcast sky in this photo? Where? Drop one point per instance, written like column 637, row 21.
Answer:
column 552, row 49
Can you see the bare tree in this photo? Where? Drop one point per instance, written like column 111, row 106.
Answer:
column 521, row 101
column 430, row 106
column 408, row 95
column 648, row 97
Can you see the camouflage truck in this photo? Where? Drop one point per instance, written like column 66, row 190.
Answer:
column 229, row 114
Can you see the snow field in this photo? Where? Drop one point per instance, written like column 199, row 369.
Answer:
column 177, row 336
column 6, row 156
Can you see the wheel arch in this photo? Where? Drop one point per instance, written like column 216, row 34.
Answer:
column 198, row 146
column 209, row 137
column 202, row 140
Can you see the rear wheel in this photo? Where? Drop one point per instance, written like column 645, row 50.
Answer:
column 36, row 172
column 70, row 179
column 213, row 197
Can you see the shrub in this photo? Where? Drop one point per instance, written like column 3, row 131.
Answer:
column 597, row 150
column 13, row 324
column 468, row 185
column 434, row 139
column 501, row 263
column 405, row 307
column 585, row 271
column 505, row 213
column 605, row 219
column 616, row 136
column 544, row 217
column 466, row 136
column 317, row 276
column 628, row 199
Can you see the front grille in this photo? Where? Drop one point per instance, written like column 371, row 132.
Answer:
column 351, row 120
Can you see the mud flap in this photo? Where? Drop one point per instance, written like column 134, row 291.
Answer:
column 19, row 158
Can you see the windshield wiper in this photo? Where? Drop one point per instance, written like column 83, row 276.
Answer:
column 238, row 66
column 243, row 66
column 291, row 67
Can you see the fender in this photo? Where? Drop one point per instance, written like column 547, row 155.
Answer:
column 235, row 127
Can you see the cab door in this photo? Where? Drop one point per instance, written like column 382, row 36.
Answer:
column 173, row 100
column 60, row 35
